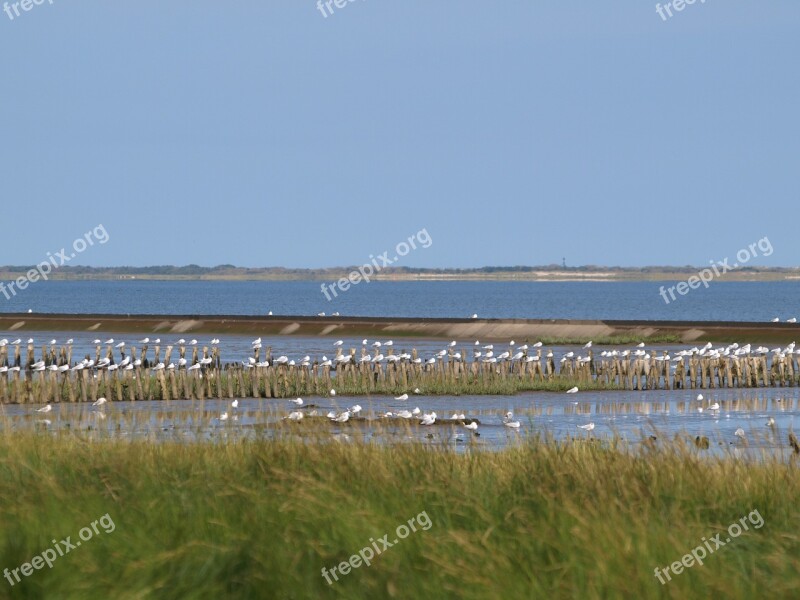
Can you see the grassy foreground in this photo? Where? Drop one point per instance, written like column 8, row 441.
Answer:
column 261, row 519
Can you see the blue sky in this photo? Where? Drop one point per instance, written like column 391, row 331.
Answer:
column 515, row 133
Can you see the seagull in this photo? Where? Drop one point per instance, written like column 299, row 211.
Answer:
column 145, row 341
column 44, row 409
column 343, row 417
column 792, row 320
column 739, row 433
column 256, row 341
column 223, row 416
column 474, row 316
column 333, row 392
column 776, row 320
column 587, row 427
column 99, row 402
column 573, row 390
column 355, row 409
column 428, row 419
column 417, row 391
column 473, row 426
column 508, row 422
column 402, row 397
column 297, row 402
column 771, row 422
column 295, row 415
column 714, row 406
column 699, row 397
column 109, row 341
column 588, row 345
column 235, row 404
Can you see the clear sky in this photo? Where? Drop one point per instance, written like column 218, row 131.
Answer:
column 515, row 133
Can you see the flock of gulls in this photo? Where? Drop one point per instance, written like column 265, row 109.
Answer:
column 416, row 414
column 484, row 353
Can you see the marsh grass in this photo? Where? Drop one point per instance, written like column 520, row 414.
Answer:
column 261, row 518
column 611, row 340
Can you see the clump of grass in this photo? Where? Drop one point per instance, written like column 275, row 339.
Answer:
column 262, row 518
column 612, row 340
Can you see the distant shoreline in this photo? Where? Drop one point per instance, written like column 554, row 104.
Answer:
column 544, row 274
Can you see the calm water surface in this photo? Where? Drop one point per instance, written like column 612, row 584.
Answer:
column 728, row 301
column 634, row 416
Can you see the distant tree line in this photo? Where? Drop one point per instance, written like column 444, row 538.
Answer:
column 228, row 270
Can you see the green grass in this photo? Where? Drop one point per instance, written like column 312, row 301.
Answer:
column 261, row 519
column 612, row 340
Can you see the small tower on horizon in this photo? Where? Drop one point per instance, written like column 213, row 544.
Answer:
column 564, row 262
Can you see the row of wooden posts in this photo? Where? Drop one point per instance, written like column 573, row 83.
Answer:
column 142, row 380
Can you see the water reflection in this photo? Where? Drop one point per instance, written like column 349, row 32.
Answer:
column 765, row 417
